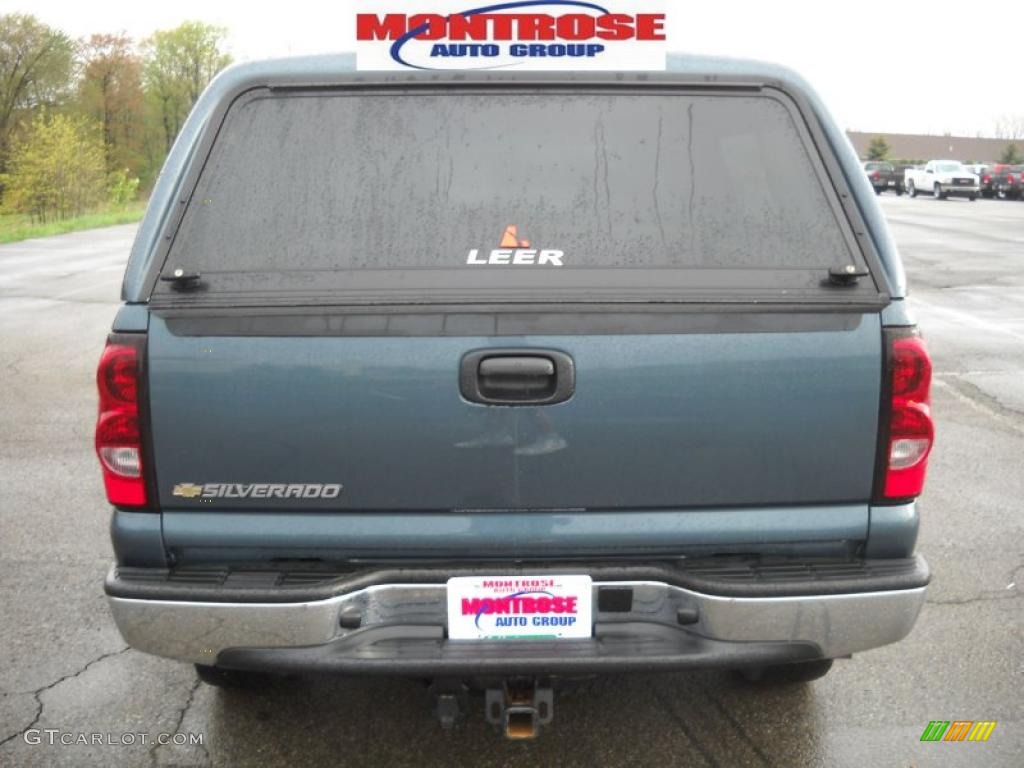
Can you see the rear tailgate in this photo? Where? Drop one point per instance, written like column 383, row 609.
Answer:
column 783, row 415
column 354, row 247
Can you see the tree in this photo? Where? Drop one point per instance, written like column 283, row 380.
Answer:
column 110, row 94
column 121, row 188
column 878, row 149
column 36, row 65
column 179, row 63
column 1010, row 155
column 1010, row 127
column 56, row 168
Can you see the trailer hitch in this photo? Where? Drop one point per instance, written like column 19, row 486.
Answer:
column 520, row 707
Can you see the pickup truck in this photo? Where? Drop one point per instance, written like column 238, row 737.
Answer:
column 1007, row 181
column 942, row 179
column 503, row 380
column 884, row 176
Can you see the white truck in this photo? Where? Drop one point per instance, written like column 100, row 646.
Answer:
column 941, row 178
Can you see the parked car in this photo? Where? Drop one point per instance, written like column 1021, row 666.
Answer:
column 984, row 174
column 942, row 179
column 1008, row 181
column 465, row 405
column 883, row 176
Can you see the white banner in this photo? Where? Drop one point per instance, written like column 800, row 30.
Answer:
column 519, row 607
column 516, row 35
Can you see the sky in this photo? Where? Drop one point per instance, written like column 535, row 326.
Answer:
column 896, row 66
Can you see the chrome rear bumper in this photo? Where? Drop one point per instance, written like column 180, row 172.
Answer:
column 396, row 627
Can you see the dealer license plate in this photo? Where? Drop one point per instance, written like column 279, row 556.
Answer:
column 519, row 607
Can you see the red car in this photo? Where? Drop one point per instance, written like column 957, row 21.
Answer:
column 1008, row 181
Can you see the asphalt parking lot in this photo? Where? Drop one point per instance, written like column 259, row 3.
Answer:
column 63, row 665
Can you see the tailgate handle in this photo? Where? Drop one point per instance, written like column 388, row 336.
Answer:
column 516, row 368
column 517, row 377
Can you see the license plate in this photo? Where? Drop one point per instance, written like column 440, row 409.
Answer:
column 519, row 607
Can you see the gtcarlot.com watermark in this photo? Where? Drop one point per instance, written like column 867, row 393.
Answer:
column 55, row 736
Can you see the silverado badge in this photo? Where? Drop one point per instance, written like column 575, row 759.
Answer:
column 258, row 490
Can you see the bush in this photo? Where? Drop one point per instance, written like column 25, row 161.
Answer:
column 122, row 188
column 56, row 169
column 878, row 149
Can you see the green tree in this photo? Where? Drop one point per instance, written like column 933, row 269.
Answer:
column 110, row 94
column 179, row 63
column 1011, row 155
column 36, row 67
column 122, row 188
column 55, row 169
column 878, row 149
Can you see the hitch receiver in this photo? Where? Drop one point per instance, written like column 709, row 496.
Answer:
column 520, row 707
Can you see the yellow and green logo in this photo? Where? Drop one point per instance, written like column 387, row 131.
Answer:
column 958, row 730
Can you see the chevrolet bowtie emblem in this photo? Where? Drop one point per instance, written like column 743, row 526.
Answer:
column 187, row 490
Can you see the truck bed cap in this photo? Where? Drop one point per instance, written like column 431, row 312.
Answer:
column 339, row 68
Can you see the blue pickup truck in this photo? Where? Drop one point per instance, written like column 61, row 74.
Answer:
column 500, row 380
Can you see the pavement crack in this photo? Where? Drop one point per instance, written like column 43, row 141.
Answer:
column 932, row 226
column 977, row 398
column 667, row 706
column 738, row 726
column 1011, row 591
column 14, row 366
column 177, row 725
column 58, row 300
column 992, row 598
column 1014, row 581
column 38, row 692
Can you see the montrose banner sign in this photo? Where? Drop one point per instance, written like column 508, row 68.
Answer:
column 520, row 35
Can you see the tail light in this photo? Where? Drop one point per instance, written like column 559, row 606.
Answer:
column 907, row 431
column 876, row 175
column 1011, row 179
column 119, row 427
column 986, row 179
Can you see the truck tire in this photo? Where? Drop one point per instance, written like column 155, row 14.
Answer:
column 911, row 188
column 878, row 190
column 937, row 192
column 801, row 672
column 972, row 198
column 219, row 677
column 899, row 190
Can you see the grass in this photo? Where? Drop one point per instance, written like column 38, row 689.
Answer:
column 19, row 226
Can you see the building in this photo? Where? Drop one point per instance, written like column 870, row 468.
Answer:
column 910, row 146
